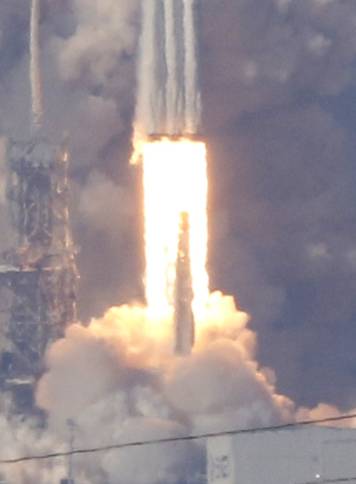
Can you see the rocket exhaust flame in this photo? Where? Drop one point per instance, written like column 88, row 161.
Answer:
column 174, row 166
column 35, row 70
column 175, row 182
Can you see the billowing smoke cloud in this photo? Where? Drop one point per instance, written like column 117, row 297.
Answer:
column 117, row 380
column 21, row 437
column 127, row 353
column 279, row 90
column 133, row 388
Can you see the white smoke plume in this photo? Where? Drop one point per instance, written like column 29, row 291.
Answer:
column 171, row 63
column 19, row 436
column 133, row 385
column 35, row 69
column 119, row 381
column 192, row 93
column 149, row 94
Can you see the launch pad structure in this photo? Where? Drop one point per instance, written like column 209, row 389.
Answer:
column 40, row 271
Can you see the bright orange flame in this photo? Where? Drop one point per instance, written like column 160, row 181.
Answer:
column 175, row 181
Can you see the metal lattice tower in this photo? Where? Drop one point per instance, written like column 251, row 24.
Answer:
column 40, row 271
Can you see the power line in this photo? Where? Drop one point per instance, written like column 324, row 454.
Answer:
column 166, row 440
column 332, row 481
column 340, row 479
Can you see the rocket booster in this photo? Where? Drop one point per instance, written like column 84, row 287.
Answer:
column 183, row 315
column 169, row 101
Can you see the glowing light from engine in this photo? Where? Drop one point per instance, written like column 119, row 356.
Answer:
column 175, row 181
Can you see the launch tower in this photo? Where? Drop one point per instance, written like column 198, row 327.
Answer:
column 40, row 271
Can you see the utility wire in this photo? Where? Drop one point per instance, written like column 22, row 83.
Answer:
column 331, row 481
column 166, row 440
column 340, row 479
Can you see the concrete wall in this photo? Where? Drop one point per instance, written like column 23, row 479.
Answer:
column 295, row 456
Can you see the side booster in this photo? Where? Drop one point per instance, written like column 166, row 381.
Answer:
column 183, row 315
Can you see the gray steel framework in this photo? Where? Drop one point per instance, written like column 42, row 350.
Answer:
column 40, row 271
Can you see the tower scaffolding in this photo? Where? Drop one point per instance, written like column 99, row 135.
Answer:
column 40, row 271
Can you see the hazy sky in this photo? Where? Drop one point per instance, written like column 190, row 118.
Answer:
column 278, row 82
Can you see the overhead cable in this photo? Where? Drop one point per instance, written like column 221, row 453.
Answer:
column 167, row 440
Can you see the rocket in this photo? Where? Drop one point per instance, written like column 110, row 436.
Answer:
column 183, row 295
column 169, row 100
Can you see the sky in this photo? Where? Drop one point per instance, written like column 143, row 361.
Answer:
column 278, row 92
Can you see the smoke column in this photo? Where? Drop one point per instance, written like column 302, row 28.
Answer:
column 146, row 112
column 35, row 71
column 171, row 63
column 192, row 95
column 168, row 95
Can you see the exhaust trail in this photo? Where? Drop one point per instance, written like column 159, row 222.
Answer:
column 146, row 115
column 35, row 69
column 168, row 94
column 192, row 94
column 171, row 64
